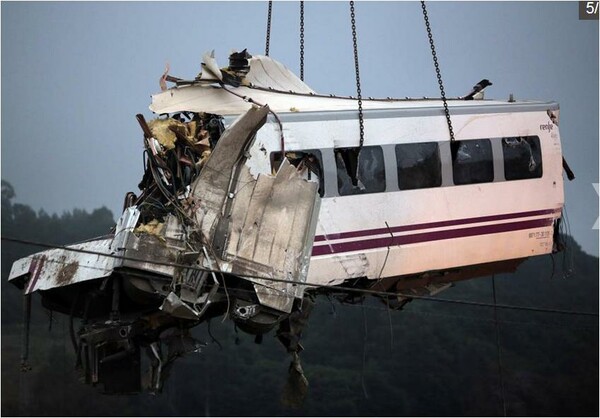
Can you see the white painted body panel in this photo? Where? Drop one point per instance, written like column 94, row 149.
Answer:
column 464, row 204
column 61, row 267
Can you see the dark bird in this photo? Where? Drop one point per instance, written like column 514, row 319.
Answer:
column 477, row 88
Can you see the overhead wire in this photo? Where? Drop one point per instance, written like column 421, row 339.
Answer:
column 479, row 318
column 407, row 311
column 310, row 284
column 421, row 313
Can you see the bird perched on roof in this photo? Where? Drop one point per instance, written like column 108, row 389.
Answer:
column 477, row 92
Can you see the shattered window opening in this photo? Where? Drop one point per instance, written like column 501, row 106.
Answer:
column 472, row 161
column 360, row 170
column 522, row 157
column 309, row 161
column 419, row 165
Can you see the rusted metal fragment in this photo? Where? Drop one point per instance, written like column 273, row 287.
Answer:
column 66, row 273
column 61, row 267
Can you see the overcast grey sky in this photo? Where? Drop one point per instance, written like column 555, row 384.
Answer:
column 75, row 74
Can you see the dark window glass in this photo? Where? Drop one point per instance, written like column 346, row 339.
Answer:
column 472, row 161
column 307, row 161
column 419, row 165
column 522, row 157
column 360, row 172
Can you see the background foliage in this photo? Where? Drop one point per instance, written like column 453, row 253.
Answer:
column 429, row 359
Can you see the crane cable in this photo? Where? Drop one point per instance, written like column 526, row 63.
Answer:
column 302, row 40
column 437, row 70
column 268, row 40
column 358, row 91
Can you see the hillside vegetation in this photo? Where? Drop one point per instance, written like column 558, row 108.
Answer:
column 429, row 359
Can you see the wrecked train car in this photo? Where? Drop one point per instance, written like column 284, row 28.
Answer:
column 256, row 193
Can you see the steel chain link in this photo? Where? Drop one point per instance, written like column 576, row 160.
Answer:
column 268, row 28
column 302, row 40
column 437, row 70
column 358, row 91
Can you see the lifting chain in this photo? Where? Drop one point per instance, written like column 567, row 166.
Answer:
column 302, row 40
column 437, row 70
column 358, row 92
column 268, row 28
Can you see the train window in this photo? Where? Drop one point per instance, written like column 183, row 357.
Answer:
column 360, row 170
column 309, row 162
column 472, row 161
column 522, row 157
column 419, row 165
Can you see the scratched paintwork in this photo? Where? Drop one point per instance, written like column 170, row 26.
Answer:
column 62, row 267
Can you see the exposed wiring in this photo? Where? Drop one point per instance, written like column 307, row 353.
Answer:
column 212, row 336
column 387, row 305
column 568, row 252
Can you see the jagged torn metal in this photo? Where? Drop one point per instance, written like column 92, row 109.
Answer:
column 261, row 226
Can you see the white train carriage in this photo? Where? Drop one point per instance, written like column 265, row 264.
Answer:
column 213, row 232
column 420, row 203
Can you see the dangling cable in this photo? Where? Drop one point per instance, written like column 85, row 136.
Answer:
column 26, row 326
column 437, row 70
column 358, row 92
column 364, row 356
column 302, row 40
column 268, row 28
column 498, row 350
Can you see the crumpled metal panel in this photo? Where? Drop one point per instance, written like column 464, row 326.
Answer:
column 210, row 68
column 125, row 226
column 173, row 305
column 265, row 72
column 155, row 253
column 61, row 267
column 261, row 226
column 212, row 185
column 270, row 232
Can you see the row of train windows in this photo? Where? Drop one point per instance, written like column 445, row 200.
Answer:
column 419, row 165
